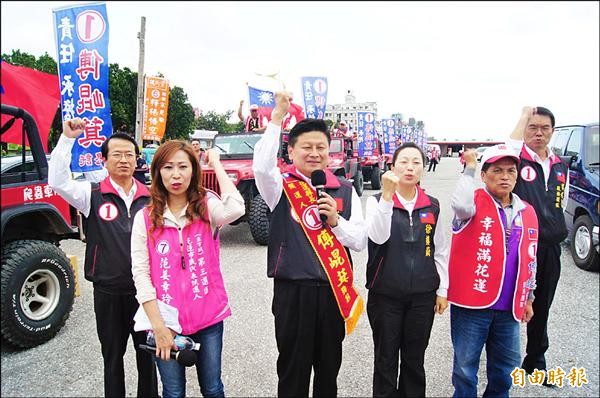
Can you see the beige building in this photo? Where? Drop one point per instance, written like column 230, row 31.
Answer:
column 348, row 111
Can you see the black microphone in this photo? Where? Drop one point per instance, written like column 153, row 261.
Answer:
column 183, row 357
column 318, row 180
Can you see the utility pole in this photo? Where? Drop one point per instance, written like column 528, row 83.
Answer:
column 140, row 86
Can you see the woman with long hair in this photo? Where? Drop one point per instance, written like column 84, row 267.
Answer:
column 176, row 267
column 407, row 274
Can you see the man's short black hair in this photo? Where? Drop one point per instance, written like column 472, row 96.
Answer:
column 540, row 110
column 123, row 136
column 306, row 126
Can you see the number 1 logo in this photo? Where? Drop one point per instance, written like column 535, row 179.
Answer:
column 90, row 26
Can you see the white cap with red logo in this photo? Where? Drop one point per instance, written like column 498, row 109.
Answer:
column 497, row 152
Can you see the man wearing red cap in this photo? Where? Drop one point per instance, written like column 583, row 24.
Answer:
column 492, row 272
column 254, row 122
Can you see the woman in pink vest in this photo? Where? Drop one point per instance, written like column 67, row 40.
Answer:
column 175, row 260
column 492, row 272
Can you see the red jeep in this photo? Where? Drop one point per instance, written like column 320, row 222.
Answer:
column 343, row 160
column 38, row 283
column 237, row 151
column 375, row 165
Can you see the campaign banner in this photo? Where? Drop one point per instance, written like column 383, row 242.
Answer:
column 81, row 34
column 265, row 100
column 421, row 139
column 388, row 129
column 156, row 106
column 314, row 91
column 366, row 133
column 34, row 91
column 414, row 134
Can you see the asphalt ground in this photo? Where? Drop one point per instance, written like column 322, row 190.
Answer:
column 71, row 363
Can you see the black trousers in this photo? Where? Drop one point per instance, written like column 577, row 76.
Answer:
column 114, row 324
column 400, row 327
column 432, row 163
column 309, row 330
column 548, row 273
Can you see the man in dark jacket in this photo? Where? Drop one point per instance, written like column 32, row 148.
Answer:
column 309, row 237
column 108, row 208
column 542, row 182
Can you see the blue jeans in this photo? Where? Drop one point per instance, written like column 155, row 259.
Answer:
column 470, row 330
column 208, row 366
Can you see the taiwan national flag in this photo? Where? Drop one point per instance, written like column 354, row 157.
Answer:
column 36, row 92
column 533, row 233
column 560, row 176
column 265, row 100
column 426, row 217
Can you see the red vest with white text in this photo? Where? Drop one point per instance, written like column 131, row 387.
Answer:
column 478, row 255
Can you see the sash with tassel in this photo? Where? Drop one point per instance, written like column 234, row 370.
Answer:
column 331, row 253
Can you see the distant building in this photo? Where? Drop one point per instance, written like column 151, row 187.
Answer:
column 348, row 111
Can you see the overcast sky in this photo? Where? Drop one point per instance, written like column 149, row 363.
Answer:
column 465, row 69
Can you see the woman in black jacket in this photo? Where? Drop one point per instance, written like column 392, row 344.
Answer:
column 407, row 274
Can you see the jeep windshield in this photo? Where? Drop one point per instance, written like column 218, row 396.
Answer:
column 236, row 145
column 335, row 146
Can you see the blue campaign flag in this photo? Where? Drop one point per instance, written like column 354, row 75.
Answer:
column 366, row 133
column 82, row 46
column 388, row 127
column 314, row 91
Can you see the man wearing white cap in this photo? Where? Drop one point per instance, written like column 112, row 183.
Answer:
column 492, row 272
column 254, row 122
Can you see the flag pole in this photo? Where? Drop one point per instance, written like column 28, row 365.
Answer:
column 140, row 85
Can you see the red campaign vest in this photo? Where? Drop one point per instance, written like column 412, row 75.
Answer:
column 247, row 122
column 478, row 255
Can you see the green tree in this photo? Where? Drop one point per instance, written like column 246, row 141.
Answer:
column 329, row 123
column 122, row 89
column 180, row 116
column 214, row 121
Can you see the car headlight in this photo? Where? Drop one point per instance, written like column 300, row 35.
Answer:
column 233, row 177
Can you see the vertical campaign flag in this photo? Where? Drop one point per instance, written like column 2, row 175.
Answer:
column 314, row 90
column 36, row 92
column 421, row 139
column 82, row 46
column 156, row 105
column 388, row 127
column 265, row 100
column 366, row 133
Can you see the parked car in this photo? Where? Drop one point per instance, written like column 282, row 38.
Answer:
column 578, row 146
column 480, row 151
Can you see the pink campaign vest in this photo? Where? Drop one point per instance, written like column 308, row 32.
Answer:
column 478, row 255
column 197, row 290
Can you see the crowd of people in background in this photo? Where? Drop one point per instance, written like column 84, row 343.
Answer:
column 153, row 253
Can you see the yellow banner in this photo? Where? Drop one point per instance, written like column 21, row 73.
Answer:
column 156, row 105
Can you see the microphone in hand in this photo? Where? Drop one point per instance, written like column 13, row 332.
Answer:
column 183, row 357
column 318, row 180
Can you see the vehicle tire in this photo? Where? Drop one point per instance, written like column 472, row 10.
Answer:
column 259, row 219
column 582, row 249
column 38, row 288
column 358, row 182
column 376, row 178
